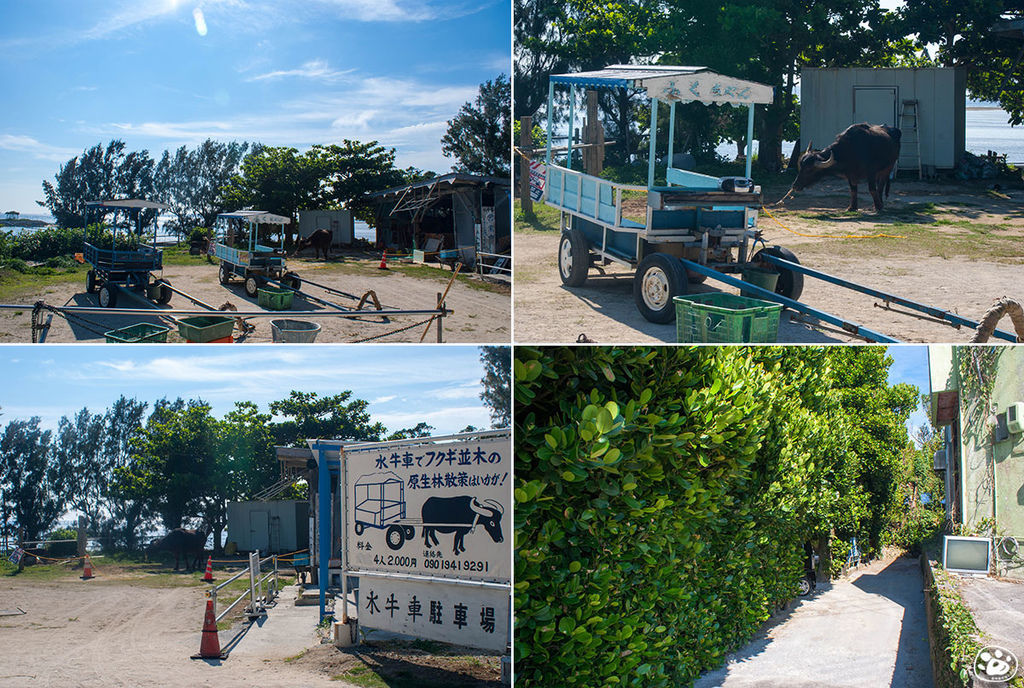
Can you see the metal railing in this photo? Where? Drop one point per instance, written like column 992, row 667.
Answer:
column 258, row 601
column 492, row 267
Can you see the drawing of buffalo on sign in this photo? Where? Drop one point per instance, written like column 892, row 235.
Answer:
column 459, row 515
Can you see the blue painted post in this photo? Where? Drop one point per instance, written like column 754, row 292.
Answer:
column 572, row 121
column 750, row 138
column 671, row 136
column 323, row 529
column 654, row 136
column 551, row 104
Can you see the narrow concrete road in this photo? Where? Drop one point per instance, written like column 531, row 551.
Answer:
column 868, row 630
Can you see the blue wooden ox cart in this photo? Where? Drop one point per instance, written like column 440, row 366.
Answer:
column 242, row 255
column 127, row 263
column 661, row 231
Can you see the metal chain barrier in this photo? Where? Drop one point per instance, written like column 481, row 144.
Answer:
column 388, row 334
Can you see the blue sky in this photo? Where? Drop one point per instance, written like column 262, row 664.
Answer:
column 910, row 365
column 162, row 73
column 404, row 384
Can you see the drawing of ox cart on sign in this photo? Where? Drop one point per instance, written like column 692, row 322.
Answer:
column 437, row 509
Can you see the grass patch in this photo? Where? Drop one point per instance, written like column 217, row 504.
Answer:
column 15, row 284
column 544, row 218
column 179, row 255
column 295, row 657
column 361, row 676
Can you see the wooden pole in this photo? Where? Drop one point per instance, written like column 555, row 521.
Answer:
column 81, row 540
column 525, row 145
column 442, row 297
column 593, row 136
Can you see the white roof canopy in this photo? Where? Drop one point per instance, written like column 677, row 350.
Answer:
column 673, row 83
column 128, row 203
column 260, row 216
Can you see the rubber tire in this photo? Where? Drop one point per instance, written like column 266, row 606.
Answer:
column 804, row 588
column 790, row 284
column 674, row 272
column 225, row 273
column 395, row 537
column 108, row 295
column 579, row 258
column 360, row 528
column 90, row 282
column 252, row 286
column 410, row 532
column 292, row 280
column 165, row 294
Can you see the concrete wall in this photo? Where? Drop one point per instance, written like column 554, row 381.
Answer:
column 993, row 472
column 829, row 103
column 340, row 222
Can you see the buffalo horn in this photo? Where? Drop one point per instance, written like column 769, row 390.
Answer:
column 828, row 162
column 478, row 507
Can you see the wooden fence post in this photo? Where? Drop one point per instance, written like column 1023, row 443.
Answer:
column 526, row 146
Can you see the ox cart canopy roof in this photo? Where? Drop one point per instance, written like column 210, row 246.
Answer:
column 128, row 203
column 672, row 83
column 260, row 216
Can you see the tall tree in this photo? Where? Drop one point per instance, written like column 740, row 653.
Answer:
column 98, row 173
column 125, row 500
column 497, row 381
column 308, row 416
column 191, row 181
column 79, row 450
column 480, row 136
column 537, row 33
column 30, row 477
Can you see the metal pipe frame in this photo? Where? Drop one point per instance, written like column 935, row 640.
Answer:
column 952, row 318
column 99, row 310
column 847, row 325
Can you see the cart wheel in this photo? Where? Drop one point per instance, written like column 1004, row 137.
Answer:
column 410, row 532
column 573, row 258
column 359, row 528
column 395, row 537
column 658, row 279
column 790, row 284
column 292, row 280
column 804, row 588
column 165, row 294
column 108, row 295
column 90, row 281
column 225, row 273
column 252, row 285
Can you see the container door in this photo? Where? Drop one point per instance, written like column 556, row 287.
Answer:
column 259, row 530
column 874, row 105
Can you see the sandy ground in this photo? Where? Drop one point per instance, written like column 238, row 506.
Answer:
column 480, row 314
column 964, row 263
column 864, row 631
column 117, row 631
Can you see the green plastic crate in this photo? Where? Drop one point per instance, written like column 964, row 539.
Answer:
column 205, row 328
column 718, row 318
column 275, row 298
column 137, row 334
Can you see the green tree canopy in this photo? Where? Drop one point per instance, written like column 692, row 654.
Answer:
column 480, row 136
column 30, row 478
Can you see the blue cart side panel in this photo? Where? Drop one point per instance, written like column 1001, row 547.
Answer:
column 583, row 194
column 689, row 219
column 622, row 244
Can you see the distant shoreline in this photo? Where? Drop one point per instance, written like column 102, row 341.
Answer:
column 24, row 223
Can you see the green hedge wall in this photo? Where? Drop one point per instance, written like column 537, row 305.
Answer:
column 662, row 500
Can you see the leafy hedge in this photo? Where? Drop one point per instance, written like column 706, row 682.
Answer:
column 51, row 242
column 955, row 633
column 663, row 498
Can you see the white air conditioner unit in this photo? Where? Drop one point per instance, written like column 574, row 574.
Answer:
column 939, row 460
column 1015, row 417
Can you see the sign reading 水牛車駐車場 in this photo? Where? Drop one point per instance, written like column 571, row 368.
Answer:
column 459, row 614
column 434, row 509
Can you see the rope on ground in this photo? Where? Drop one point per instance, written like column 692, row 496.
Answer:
column 993, row 315
column 84, row 323
column 391, row 332
column 830, row 236
column 42, row 558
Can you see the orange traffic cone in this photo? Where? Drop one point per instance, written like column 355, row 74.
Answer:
column 208, row 576
column 383, row 261
column 87, row 571
column 209, row 646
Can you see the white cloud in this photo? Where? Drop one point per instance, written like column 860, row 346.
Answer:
column 43, row 151
column 384, row 399
column 314, row 69
column 402, row 10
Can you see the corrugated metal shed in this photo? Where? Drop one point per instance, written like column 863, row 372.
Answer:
column 833, row 99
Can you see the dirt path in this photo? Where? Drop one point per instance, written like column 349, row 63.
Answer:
column 125, row 630
column 961, row 252
column 865, row 631
column 482, row 312
column 118, row 633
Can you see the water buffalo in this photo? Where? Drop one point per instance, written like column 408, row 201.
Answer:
column 458, row 510
column 183, row 543
column 320, row 240
column 863, row 151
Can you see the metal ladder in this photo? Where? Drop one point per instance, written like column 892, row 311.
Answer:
column 910, row 143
